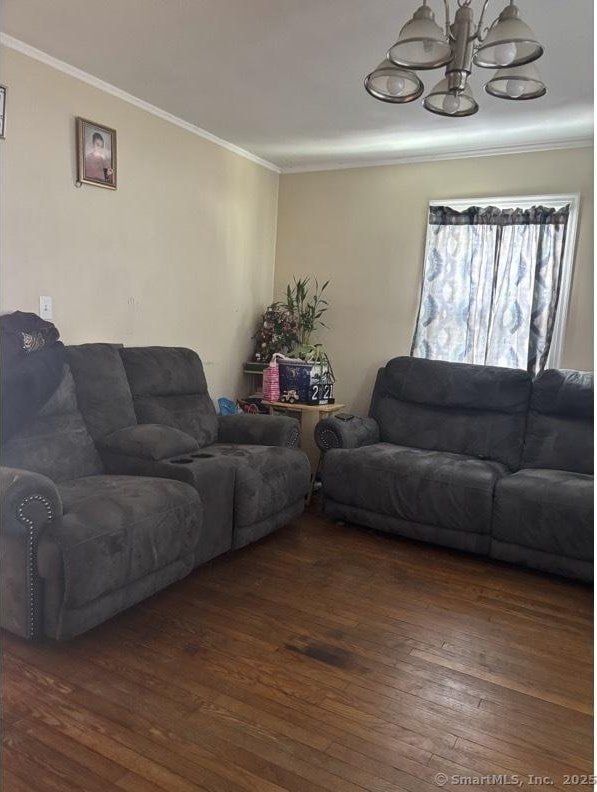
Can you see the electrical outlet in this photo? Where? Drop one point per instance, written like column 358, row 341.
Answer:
column 45, row 308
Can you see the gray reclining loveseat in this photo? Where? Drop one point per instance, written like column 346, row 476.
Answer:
column 477, row 458
column 77, row 545
column 250, row 475
column 126, row 480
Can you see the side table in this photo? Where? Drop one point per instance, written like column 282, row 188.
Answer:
column 309, row 415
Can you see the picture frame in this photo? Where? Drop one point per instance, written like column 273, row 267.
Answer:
column 96, row 154
column 2, row 112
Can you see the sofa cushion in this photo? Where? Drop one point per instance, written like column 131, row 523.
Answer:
column 55, row 442
column 103, row 392
column 267, row 480
column 149, row 441
column 560, row 425
column 547, row 510
column 478, row 411
column 433, row 487
column 118, row 529
column 169, row 387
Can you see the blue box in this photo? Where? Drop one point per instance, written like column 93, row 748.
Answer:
column 305, row 383
column 295, row 378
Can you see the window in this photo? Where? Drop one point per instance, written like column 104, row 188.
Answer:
column 496, row 281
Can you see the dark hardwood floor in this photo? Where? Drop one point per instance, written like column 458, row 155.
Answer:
column 323, row 658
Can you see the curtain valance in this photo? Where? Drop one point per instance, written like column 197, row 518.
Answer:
column 492, row 215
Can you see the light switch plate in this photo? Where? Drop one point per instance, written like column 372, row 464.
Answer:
column 45, row 308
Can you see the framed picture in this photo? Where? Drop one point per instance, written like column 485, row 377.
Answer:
column 96, row 154
column 2, row 111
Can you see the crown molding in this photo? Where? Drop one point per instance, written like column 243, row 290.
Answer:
column 83, row 76
column 468, row 153
column 405, row 159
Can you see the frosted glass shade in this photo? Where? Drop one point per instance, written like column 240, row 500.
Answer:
column 509, row 43
column 444, row 102
column 389, row 83
column 522, row 82
column 422, row 43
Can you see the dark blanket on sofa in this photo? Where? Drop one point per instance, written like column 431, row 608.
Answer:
column 32, row 368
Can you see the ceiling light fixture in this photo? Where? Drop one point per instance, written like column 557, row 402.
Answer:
column 522, row 82
column 390, row 83
column 508, row 45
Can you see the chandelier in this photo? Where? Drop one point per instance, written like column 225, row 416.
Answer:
column 507, row 45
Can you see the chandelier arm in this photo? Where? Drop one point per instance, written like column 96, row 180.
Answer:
column 479, row 31
column 447, row 10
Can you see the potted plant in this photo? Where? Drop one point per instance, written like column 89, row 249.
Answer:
column 277, row 332
column 310, row 374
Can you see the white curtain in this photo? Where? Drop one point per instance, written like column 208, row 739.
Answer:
column 491, row 285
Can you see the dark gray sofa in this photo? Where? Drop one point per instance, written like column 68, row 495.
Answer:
column 250, row 475
column 543, row 514
column 77, row 546
column 477, row 458
column 125, row 481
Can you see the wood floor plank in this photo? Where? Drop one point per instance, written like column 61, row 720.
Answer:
column 55, row 743
column 324, row 658
column 74, row 773
column 12, row 782
column 131, row 782
column 570, row 701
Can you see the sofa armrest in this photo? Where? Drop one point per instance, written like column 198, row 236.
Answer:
column 270, row 430
column 356, row 432
column 30, row 503
column 152, row 442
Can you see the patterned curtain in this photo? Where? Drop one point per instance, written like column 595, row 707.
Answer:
column 491, row 285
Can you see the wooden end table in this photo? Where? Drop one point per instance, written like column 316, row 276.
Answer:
column 309, row 415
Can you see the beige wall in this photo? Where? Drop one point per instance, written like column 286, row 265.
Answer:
column 182, row 253
column 364, row 229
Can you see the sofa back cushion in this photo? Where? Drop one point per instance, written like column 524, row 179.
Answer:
column 560, row 426
column 169, row 387
column 103, row 392
column 479, row 411
column 56, row 442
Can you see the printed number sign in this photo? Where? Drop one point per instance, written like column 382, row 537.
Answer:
column 321, row 393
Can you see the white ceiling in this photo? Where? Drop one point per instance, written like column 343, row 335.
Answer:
column 283, row 79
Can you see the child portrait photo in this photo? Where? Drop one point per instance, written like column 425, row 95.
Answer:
column 96, row 154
